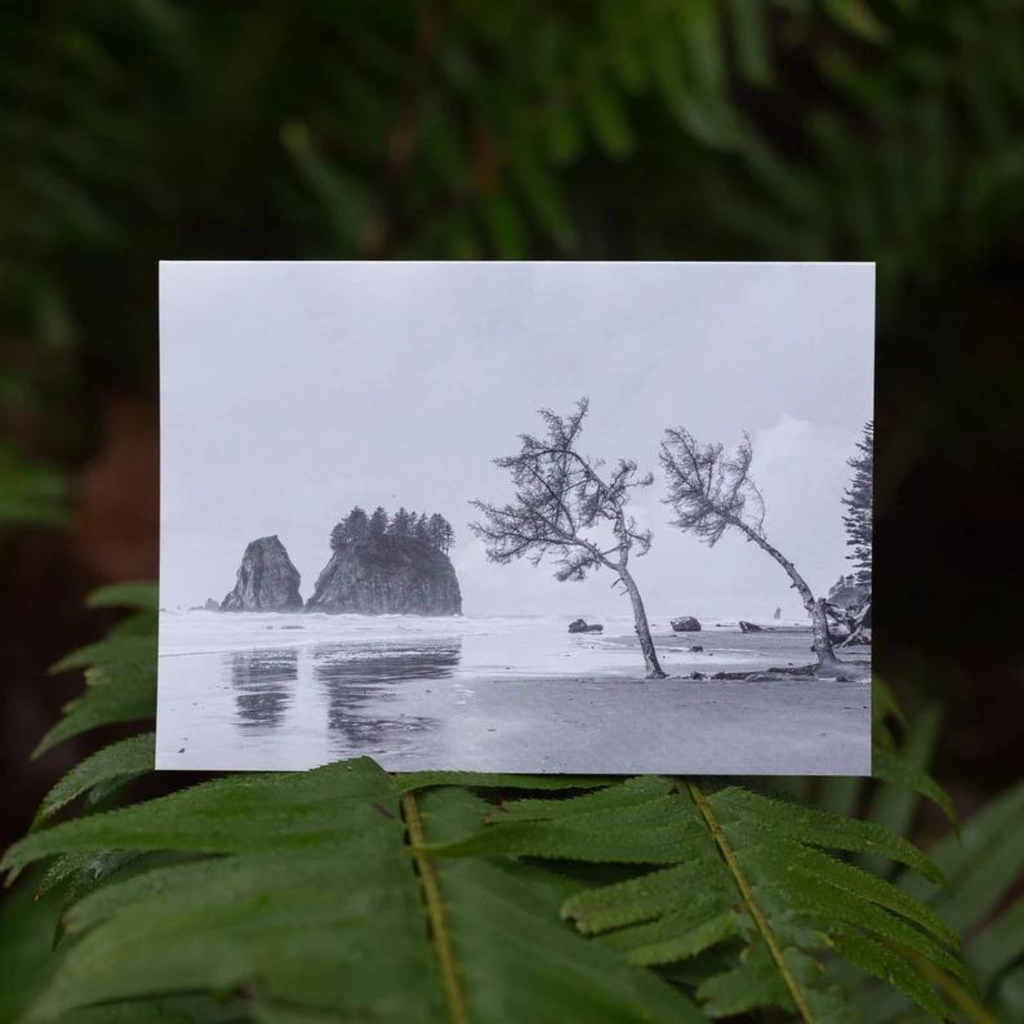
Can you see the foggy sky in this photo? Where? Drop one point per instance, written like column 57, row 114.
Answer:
column 292, row 391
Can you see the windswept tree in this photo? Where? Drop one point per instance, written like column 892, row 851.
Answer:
column 353, row 527
column 567, row 507
column 858, row 500
column 712, row 492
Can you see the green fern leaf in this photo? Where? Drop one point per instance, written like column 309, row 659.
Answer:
column 853, row 881
column 311, row 905
column 753, row 814
column 676, row 936
column 887, row 965
column 114, row 693
column 754, row 983
column 649, row 830
column 120, row 671
column 655, row 894
column 110, row 766
column 743, row 866
column 899, row 772
column 122, row 652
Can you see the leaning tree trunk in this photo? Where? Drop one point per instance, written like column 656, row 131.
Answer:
column 643, row 629
column 828, row 663
column 827, row 660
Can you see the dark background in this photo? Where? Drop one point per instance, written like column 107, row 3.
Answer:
column 885, row 131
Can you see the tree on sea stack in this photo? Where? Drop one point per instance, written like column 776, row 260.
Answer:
column 436, row 530
column 440, row 533
column 711, row 492
column 353, row 527
column 402, row 523
column 421, row 531
column 567, row 507
column 378, row 523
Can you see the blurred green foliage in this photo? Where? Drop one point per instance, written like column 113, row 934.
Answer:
column 742, row 129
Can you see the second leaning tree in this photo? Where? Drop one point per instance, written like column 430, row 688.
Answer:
column 712, row 492
column 568, row 507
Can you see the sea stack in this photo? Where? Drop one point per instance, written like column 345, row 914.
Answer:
column 387, row 575
column 266, row 582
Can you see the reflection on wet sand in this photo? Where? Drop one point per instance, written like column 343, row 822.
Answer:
column 262, row 680
column 356, row 680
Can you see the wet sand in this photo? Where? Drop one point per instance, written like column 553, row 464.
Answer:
column 666, row 726
column 419, row 706
column 504, row 700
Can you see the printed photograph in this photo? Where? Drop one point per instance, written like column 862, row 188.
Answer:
column 587, row 518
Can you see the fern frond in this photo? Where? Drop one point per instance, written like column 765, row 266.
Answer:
column 310, row 901
column 111, row 766
column 743, row 867
column 754, row 814
column 112, row 695
column 120, row 676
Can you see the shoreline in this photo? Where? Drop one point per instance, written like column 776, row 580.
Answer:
column 580, row 723
column 247, row 692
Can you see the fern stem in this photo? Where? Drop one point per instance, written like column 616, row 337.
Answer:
column 458, row 1011
column 747, row 892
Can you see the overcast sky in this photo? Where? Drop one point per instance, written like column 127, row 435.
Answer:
column 292, row 391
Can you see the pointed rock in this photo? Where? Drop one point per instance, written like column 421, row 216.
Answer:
column 266, row 582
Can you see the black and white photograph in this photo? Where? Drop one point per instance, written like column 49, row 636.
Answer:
column 593, row 518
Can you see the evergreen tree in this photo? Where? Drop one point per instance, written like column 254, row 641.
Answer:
column 858, row 499
column 353, row 527
column 378, row 523
column 436, row 531
column 358, row 524
column 338, row 536
column 421, row 531
column 447, row 535
column 401, row 524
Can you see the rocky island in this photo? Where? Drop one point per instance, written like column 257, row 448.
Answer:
column 389, row 565
column 379, row 565
column 389, row 576
column 266, row 581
